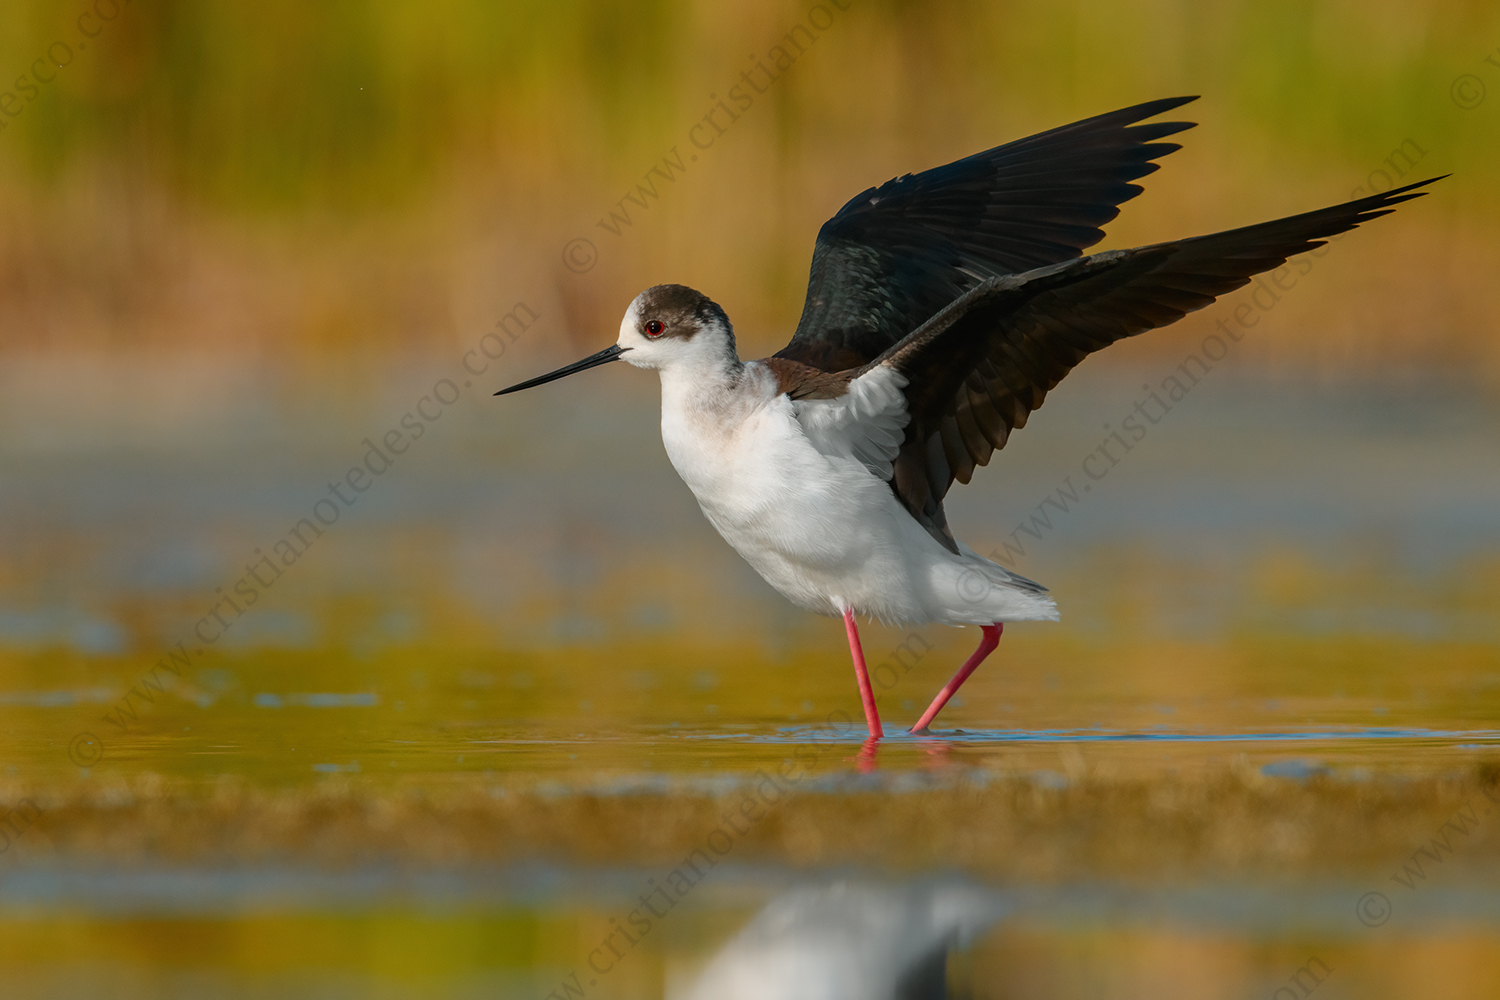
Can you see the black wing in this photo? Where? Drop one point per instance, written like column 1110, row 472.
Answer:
column 977, row 369
column 894, row 255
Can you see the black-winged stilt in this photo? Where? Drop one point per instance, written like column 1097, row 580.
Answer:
column 941, row 308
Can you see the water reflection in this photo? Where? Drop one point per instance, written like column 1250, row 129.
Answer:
column 847, row 940
column 401, row 933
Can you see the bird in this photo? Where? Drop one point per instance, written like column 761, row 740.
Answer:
column 847, row 940
column 941, row 308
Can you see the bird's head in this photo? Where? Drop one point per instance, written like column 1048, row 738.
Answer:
column 670, row 325
column 666, row 327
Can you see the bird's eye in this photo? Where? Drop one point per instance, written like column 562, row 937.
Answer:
column 655, row 328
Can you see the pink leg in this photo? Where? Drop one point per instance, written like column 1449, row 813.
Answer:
column 866, row 693
column 987, row 646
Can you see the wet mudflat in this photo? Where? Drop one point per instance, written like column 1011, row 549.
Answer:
column 1071, row 863
column 516, row 735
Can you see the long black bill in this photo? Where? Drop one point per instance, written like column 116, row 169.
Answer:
column 592, row 361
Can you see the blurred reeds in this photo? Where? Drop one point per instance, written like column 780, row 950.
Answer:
column 284, row 182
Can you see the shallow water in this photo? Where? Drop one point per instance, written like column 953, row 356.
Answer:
column 512, row 689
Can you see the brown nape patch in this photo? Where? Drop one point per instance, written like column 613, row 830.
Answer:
column 801, row 381
column 684, row 310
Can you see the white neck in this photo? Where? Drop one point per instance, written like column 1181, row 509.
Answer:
column 705, row 374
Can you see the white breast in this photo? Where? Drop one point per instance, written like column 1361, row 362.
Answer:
column 808, row 515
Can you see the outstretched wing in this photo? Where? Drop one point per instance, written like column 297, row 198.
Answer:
column 977, row 369
column 894, row 255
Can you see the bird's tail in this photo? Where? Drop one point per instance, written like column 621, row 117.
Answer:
column 984, row 592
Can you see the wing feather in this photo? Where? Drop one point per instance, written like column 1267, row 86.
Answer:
column 867, row 422
column 895, row 255
column 977, row 369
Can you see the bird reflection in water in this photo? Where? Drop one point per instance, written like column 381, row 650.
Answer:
column 866, row 759
column 846, row 940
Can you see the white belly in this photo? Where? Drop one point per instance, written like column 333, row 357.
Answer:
column 823, row 530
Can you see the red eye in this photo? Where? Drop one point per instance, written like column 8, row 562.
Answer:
column 655, row 328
